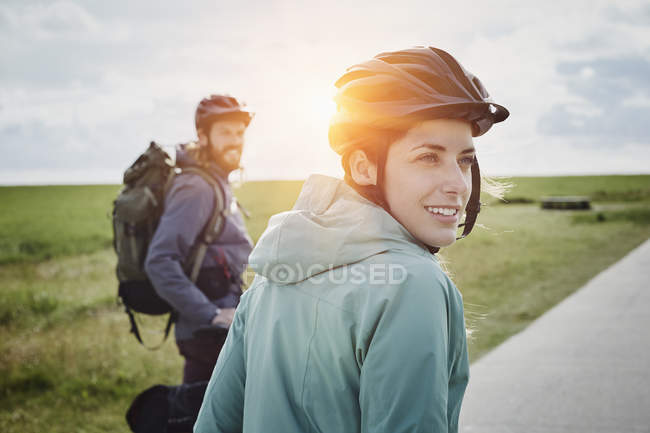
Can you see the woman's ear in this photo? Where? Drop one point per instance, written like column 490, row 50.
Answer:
column 362, row 170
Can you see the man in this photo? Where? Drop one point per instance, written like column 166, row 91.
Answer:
column 221, row 122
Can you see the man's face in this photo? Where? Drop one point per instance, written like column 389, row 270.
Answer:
column 225, row 141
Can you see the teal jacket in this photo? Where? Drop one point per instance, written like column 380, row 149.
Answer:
column 350, row 325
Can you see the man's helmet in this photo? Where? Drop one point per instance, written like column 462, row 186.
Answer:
column 220, row 107
column 395, row 90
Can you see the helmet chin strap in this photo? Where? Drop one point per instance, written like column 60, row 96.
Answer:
column 472, row 209
column 474, row 204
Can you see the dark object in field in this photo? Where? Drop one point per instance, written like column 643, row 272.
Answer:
column 566, row 203
column 149, row 411
column 516, row 200
column 166, row 409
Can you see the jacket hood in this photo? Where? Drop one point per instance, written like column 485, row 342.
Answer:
column 330, row 225
column 186, row 156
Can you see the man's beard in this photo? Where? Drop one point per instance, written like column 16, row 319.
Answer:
column 228, row 165
column 228, row 162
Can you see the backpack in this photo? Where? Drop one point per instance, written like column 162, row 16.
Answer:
column 136, row 213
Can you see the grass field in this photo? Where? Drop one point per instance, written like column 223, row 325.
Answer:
column 43, row 222
column 68, row 363
column 598, row 188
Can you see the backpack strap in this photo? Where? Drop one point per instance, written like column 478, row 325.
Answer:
column 173, row 315
column 213, row 228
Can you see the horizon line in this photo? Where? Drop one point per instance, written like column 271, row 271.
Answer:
column 235, row 183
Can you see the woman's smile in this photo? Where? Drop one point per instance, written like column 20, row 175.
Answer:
column 448, row 215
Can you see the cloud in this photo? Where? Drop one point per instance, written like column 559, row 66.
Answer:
column 36, row 145
column 609, row 105
column 607, row 80
column 89, row 84
column 638, row 15
column 41, row 22
column 53, row 45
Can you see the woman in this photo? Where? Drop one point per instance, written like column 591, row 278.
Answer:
column 351, row 325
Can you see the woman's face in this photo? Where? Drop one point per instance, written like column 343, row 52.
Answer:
column 428, row 179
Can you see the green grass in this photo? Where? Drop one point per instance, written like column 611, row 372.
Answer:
column 69, row 364
column 263, row 199
column 523, row 260
column 42, row 222
column 67, row 360
column 598, row 188
column 636, row 215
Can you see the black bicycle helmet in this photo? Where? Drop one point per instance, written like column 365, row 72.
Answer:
column 397, row 89
column 220, row 106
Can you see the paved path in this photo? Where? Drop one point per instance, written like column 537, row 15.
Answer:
column 584, row 366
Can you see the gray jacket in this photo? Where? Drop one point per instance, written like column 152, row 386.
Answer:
column 188, row 207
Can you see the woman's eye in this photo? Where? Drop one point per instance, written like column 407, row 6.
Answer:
column 468, row 161
column 429, row 157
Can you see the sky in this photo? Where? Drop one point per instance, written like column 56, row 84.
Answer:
column 85, row 85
